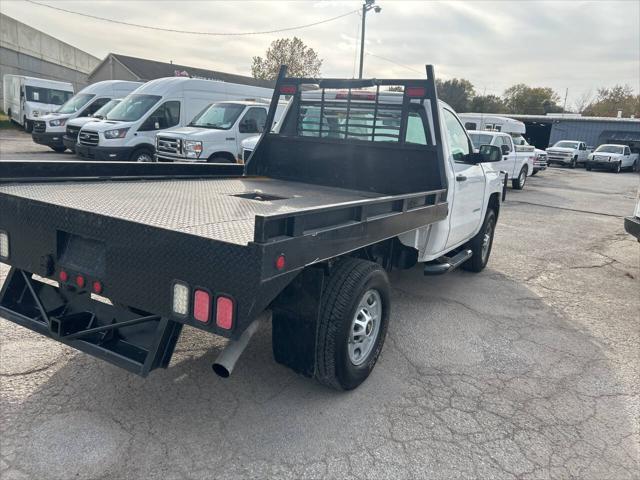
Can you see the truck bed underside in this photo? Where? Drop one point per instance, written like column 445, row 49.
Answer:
column 216, row 209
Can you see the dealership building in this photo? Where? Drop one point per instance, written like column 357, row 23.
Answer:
column 546, row 130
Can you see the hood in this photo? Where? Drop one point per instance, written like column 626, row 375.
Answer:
column 561, row 150
column 53, row 116
column 42, row 107
column 195, row 133
column 250, row 143
column 103, row 125
column 607, row 154
column 80, row 121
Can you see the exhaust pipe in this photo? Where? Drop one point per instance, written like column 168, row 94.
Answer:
column 226, row 361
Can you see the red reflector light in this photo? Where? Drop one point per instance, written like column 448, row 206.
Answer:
column 356, row 96
column 97, row 287
column 63, row 276
column 80, row 281
column 288, row 89
column 224, row 313
column 415, row 92
column 281, row 262
column 201, row 306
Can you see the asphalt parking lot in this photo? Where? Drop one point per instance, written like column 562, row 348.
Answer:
column 528, row 370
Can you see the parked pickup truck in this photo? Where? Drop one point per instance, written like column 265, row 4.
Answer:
column 568, row 152
column 613, row 157
column 517, row 164
column 114, row 258
column 215, row 134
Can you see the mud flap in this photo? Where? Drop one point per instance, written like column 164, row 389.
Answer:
column 131, row 339
column 295, row 316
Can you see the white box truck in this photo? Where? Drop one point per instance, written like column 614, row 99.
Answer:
column 25, row 99
column 129, row 131
column 49, row 129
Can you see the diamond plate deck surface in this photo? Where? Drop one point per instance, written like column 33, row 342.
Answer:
column 206, row 207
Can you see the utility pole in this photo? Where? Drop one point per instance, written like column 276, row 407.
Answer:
column 564, row 106
column 366, row 6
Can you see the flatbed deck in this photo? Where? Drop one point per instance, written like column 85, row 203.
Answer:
column 208, row 208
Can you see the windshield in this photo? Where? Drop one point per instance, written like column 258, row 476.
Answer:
column 133, row 108
column 75, row 103
column 610, row 149
column 480, row 139
column 47, row 95
column 106, row 108
column 566, row 144
column 218, row 115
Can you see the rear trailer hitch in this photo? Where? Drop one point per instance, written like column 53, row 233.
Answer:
column 138, row 342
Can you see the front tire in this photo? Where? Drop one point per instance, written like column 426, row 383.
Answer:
column 618, row 168
column 520, row 180
column 58, row 149
column 219, row 159
column 142, row 156
column 28, row 125
column 481, row 244
column 588, row 167
column 354, row 317
column 574, row 162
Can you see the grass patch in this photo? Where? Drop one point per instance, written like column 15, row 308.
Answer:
column 5, row 122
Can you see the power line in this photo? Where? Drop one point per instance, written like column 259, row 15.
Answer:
column 395, row 63
column 171, row 30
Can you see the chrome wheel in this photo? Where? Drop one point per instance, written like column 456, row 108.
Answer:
column 365, row 327
column 523, row 177
column 486, row 240
column 144, row 157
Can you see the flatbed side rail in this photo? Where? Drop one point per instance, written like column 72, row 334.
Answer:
column 13, row 171
column 315, row 219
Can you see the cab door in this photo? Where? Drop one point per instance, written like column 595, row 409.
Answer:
column 467, row 196
column 251, row 123
column 509, row 159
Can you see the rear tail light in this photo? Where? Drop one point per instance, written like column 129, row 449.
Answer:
column 288, row 89
column 4, row 244
column 224, row 312
column 97, row 287
column 80, row 281
column 180, row 299
column 201, row 306
column 416, row 92
column 63, row 276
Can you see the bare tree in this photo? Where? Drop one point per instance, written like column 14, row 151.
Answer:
column 583, row 101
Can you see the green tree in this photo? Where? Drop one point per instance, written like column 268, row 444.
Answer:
column 488, row 104
column 302, row 60
column 527, row 100
column 610, row 100
column 457, row 92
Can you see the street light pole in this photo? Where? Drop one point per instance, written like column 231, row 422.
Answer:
column 366, row 6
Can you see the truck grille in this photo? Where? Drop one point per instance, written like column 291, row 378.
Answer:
column 89, row 138
column 169, row 146
column 72, row 132
column 39, row 126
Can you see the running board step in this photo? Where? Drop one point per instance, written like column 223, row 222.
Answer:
column 446, row 264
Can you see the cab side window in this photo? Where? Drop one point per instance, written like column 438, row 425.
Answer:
column 253, row 121
column 456, row 137
column 508, row 142
column 166, row 115
column 94, row 107
column 627, row 151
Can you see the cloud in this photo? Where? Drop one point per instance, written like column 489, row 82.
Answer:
column 561, row 44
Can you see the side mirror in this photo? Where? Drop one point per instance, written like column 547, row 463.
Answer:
column 486, row 153
column 505, row 149
column 248, row 125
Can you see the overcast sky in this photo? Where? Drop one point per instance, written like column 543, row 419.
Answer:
column 580, row 45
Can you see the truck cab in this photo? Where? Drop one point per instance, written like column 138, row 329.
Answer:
column 49, row 129
column 216, row 134
column 517, row 164
column 28, row 98
column 128, row 133
column 569, row 153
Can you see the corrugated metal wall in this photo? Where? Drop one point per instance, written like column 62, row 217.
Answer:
column 591, row 132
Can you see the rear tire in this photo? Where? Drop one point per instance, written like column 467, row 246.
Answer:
column 481, row 244
column 354, row 317
column 534, row 173
column 520, row 180
column 58, row 149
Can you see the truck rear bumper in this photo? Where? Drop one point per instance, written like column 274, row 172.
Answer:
column 48, row 139
column 113, row 154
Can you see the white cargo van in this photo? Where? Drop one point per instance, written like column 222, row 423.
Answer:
column 129, row 131
column 27, row 98
column 215, row 135
column 49, row 129
column 70, row 137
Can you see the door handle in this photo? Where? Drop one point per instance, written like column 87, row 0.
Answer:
column 461, row 178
